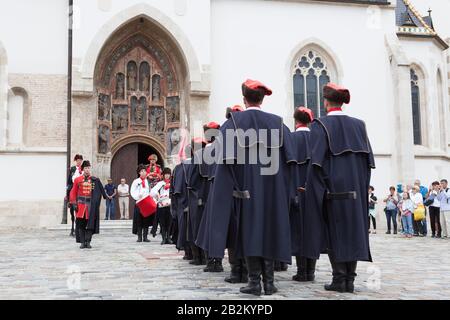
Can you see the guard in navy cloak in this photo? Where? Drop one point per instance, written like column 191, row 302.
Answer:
column 173, row 230
column 239, row 272
column 204, row 158
column 336, row 190
column 196, row 184
column 301, row 142
column 263, row 233
column 180, row 203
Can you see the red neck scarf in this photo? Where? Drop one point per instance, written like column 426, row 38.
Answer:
column 167, row 186
column 334, row 109
column 143, row 182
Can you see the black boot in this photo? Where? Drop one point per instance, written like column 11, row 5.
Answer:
column 339, row 275
column 187, row 253
column 244, row 271
column 139, row 234
column 236, row 268
column 82, row 233
column 301, row 270
column 145, row 234
column 210, row 265
column 88, row 239
column 277, row 266
column 203, row 257
column 254, row 265
column 196, row 259
column 218, row 267
column 351, row 275
column 268, row 278
column 310, row 269
column 163, row 235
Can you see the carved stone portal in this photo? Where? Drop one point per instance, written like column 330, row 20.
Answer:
column 134, row 85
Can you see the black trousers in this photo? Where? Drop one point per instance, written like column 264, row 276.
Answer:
column 374, row 222
column 156, row 222
column 85, row 235
column 165, row 219
column 435, row 220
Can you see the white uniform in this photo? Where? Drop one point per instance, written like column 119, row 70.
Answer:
column 139, row 192
column 163, row 194
column 78, row 172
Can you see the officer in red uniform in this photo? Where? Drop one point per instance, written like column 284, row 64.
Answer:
column 85, row 198
column 154, row 172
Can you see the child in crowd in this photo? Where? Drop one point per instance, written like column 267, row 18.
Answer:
column 406, row 207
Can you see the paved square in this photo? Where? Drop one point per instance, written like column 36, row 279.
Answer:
column 42, row 264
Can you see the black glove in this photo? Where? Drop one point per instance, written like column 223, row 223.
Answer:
column 75, row 207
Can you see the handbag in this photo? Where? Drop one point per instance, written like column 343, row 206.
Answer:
column 419, row 213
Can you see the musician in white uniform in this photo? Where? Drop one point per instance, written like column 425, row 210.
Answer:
column 140, row 189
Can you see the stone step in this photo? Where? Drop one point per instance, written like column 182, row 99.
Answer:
column 105, row 225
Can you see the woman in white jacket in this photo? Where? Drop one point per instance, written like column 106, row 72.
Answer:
column 140, row 188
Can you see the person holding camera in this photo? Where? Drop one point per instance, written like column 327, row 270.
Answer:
column 391, row 210
column 434, row 205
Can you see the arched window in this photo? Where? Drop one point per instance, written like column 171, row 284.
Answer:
column 416, row 96
column 311, row 73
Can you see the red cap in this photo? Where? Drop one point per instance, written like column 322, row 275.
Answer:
column 336, row 93
column 237, row 108
column 255, row 84
column 309, row 112
column 212, row 125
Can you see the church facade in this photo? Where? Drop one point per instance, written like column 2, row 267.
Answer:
column 143, row 70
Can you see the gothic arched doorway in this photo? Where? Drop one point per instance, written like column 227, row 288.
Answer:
column 125, row 163
column 140, row 81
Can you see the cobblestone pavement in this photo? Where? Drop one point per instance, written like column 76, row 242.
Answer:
column 41, row 264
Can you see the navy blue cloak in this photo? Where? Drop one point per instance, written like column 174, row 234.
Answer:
column 198, row 193
column 262, row 220
column 301, row 146
column 179, row 201
column 341, row 163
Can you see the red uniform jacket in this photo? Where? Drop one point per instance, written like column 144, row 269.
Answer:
column 81, row 195
column 154, row 173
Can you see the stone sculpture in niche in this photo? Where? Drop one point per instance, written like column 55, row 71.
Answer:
column 103, row 140
column 103, row 107
column 173, row 109
column 120, row 118
column 156, row 120
column 156, row 89
column 144, row 77
column 132, row 76
column 140, row 110
column 120, row 86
